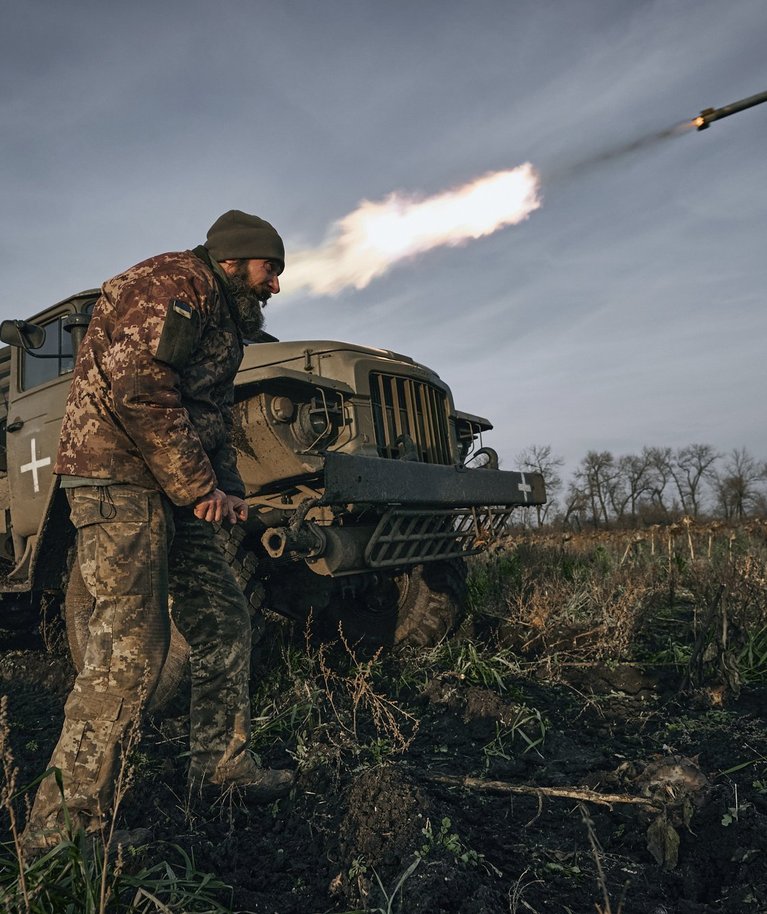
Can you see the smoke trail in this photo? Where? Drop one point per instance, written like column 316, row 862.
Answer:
column 646, row 141
column 374, row 237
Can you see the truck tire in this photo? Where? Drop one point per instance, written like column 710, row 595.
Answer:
column 420, row 606
column 433, row 605
column 78, row 606
column 247, row 569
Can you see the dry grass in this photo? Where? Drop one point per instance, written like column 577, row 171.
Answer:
column 590, row 598
column 363, row 701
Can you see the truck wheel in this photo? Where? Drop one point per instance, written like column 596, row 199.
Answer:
column 246, row 567
column 78, row 606
column 419, row 607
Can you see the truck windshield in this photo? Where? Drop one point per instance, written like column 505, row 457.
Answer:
column 58, row 343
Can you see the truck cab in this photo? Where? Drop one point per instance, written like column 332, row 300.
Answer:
column 34, row 380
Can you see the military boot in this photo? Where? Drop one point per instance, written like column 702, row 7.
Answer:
column 259, row 785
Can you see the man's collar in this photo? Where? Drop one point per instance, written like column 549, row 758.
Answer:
column 204, row 255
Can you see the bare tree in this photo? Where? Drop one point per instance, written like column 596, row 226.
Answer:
column 575, row 508
column 737, row 486
column 692, row 466
column 632, row 482
column 760, row 504
column 538, row 458
column 652, row 486
column 594, row 479
column 660, row 474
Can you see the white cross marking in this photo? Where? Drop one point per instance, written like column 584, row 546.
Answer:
column 524, row 487
column 34, row 465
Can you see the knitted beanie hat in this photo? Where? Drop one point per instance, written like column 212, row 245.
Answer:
column 240, row 236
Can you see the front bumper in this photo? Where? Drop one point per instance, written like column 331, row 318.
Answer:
column 425, row 513
column 370, row 480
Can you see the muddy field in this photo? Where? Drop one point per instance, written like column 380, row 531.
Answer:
column 594, row 737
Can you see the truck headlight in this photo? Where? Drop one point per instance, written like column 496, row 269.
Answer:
column 316, row 423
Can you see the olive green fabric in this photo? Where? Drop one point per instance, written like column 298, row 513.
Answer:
column 240, row 236
column 180, row 334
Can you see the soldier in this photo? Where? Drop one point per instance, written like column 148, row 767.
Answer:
column 148, row 465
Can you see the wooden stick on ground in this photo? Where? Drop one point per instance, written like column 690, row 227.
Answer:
column 566, row 793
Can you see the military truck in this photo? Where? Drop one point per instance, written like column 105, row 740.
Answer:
column 366, row 487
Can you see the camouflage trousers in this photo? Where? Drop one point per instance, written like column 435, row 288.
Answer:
column 134, row 547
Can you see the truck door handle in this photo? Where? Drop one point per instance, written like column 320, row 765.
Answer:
column 15, row 426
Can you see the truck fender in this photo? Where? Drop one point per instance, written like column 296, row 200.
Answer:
column 47, row 555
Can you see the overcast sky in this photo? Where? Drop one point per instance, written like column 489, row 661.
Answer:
column 628, row 310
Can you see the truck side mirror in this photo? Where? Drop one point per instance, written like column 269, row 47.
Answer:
column 22, row 334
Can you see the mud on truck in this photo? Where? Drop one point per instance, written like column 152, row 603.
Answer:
column 354, row 459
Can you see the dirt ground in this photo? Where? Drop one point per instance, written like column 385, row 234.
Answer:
column 486, row 810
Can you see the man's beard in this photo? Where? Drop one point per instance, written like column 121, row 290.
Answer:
column 247, row 302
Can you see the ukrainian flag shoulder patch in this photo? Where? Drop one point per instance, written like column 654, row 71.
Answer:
column 182, row 308
column 180, row 334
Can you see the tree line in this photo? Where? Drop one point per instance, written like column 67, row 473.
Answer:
column 658, row 485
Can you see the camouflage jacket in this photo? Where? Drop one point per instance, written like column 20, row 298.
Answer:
column 152, row 392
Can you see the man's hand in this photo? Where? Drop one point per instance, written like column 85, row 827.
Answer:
column 218, row 506
column 238, row 508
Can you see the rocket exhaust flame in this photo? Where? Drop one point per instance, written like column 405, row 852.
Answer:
column 370, row 240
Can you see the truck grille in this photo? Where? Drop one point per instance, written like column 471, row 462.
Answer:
column 406, row 536
column 402, row 406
